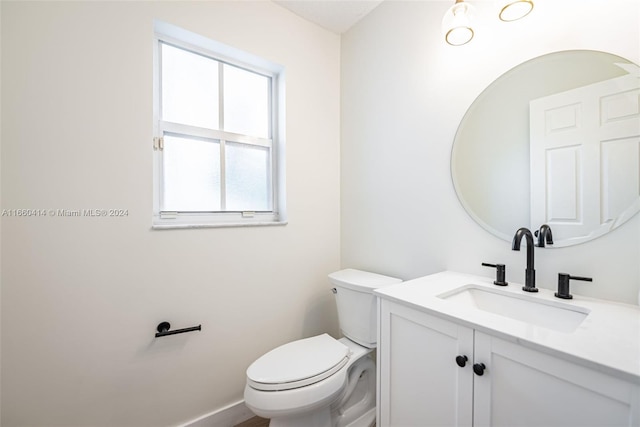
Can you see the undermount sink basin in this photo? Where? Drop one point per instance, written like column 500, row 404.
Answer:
column 548, row 314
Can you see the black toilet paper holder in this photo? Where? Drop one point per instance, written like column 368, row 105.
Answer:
column 164, row 329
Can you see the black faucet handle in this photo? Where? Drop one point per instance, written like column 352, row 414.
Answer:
column 563, row 284
column 500, row 273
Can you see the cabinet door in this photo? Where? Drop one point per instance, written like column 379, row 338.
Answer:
column 525, row 387
column 420, row 383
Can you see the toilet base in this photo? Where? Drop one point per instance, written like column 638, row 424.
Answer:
column 368, row 419
column 323, row 419
column 357, row 408
column 320, row 418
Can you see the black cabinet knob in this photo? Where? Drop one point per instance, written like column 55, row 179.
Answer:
column 479, row 368
column 461, row 360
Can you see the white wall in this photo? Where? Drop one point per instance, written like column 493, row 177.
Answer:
column 81, row 297
column 404, row 91
column 0, row 224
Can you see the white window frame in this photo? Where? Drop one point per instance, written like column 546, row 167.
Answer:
column 175, row 36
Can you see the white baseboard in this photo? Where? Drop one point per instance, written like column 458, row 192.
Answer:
column 228, row 416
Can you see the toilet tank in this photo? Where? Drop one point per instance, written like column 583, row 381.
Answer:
column 357, row 307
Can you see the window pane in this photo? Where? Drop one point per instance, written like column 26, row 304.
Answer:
column 248, row 177
column 191, row 174
column 189, row 88
column 246, row 102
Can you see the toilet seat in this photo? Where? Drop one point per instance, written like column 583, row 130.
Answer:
column 298, row 364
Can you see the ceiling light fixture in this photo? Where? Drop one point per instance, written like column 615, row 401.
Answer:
column 512, row 10
column 456, row 24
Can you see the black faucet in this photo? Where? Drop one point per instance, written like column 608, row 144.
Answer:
column 530, row 272
column 544, row 235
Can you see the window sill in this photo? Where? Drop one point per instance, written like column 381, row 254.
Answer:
column 166, row 226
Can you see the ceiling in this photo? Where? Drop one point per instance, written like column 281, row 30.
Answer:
column 334, row 15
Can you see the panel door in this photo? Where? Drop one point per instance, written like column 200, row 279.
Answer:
column 585, row 162
column 421, row 384
column 525, row 387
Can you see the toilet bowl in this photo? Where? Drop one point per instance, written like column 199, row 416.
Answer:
column 321, row 381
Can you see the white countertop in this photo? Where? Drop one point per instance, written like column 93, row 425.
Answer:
column 608, row 339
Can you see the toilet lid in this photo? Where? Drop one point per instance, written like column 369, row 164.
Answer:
column 298, row 363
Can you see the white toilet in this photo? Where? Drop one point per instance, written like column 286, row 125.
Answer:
column 321, row 381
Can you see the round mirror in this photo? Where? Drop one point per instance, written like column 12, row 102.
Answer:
column 555, row 140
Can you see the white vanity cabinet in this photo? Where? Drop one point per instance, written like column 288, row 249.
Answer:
column 421, row 384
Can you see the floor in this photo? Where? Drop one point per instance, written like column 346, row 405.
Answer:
column 254, row 422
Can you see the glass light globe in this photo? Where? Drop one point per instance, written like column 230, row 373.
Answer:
column 456, row 24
